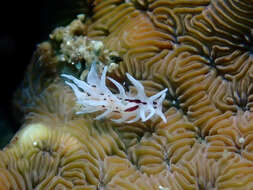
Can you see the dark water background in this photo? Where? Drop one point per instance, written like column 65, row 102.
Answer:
column 24, row 24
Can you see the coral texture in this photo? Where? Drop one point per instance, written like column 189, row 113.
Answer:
column 200, row 50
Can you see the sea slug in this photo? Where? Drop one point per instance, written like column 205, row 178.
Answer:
column 94, row 96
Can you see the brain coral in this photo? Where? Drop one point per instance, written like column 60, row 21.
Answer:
column 201, row 50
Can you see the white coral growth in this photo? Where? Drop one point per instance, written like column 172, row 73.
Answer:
column 94, row 96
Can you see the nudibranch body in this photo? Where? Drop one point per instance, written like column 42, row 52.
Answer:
column 94, row 95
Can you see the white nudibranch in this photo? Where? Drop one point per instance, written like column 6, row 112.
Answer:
column 93, row 96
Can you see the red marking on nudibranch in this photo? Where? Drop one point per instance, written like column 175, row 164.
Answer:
column 131, row 108
column 136, row 101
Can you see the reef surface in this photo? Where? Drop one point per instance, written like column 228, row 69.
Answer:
column 200, row 50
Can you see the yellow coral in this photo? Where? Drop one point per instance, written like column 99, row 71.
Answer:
column 201, row 50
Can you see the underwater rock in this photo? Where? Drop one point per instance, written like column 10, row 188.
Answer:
column 200, row 50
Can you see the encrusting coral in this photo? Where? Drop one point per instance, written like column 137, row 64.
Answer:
column 201, row 51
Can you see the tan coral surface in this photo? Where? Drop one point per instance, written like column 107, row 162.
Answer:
column 201, row 50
